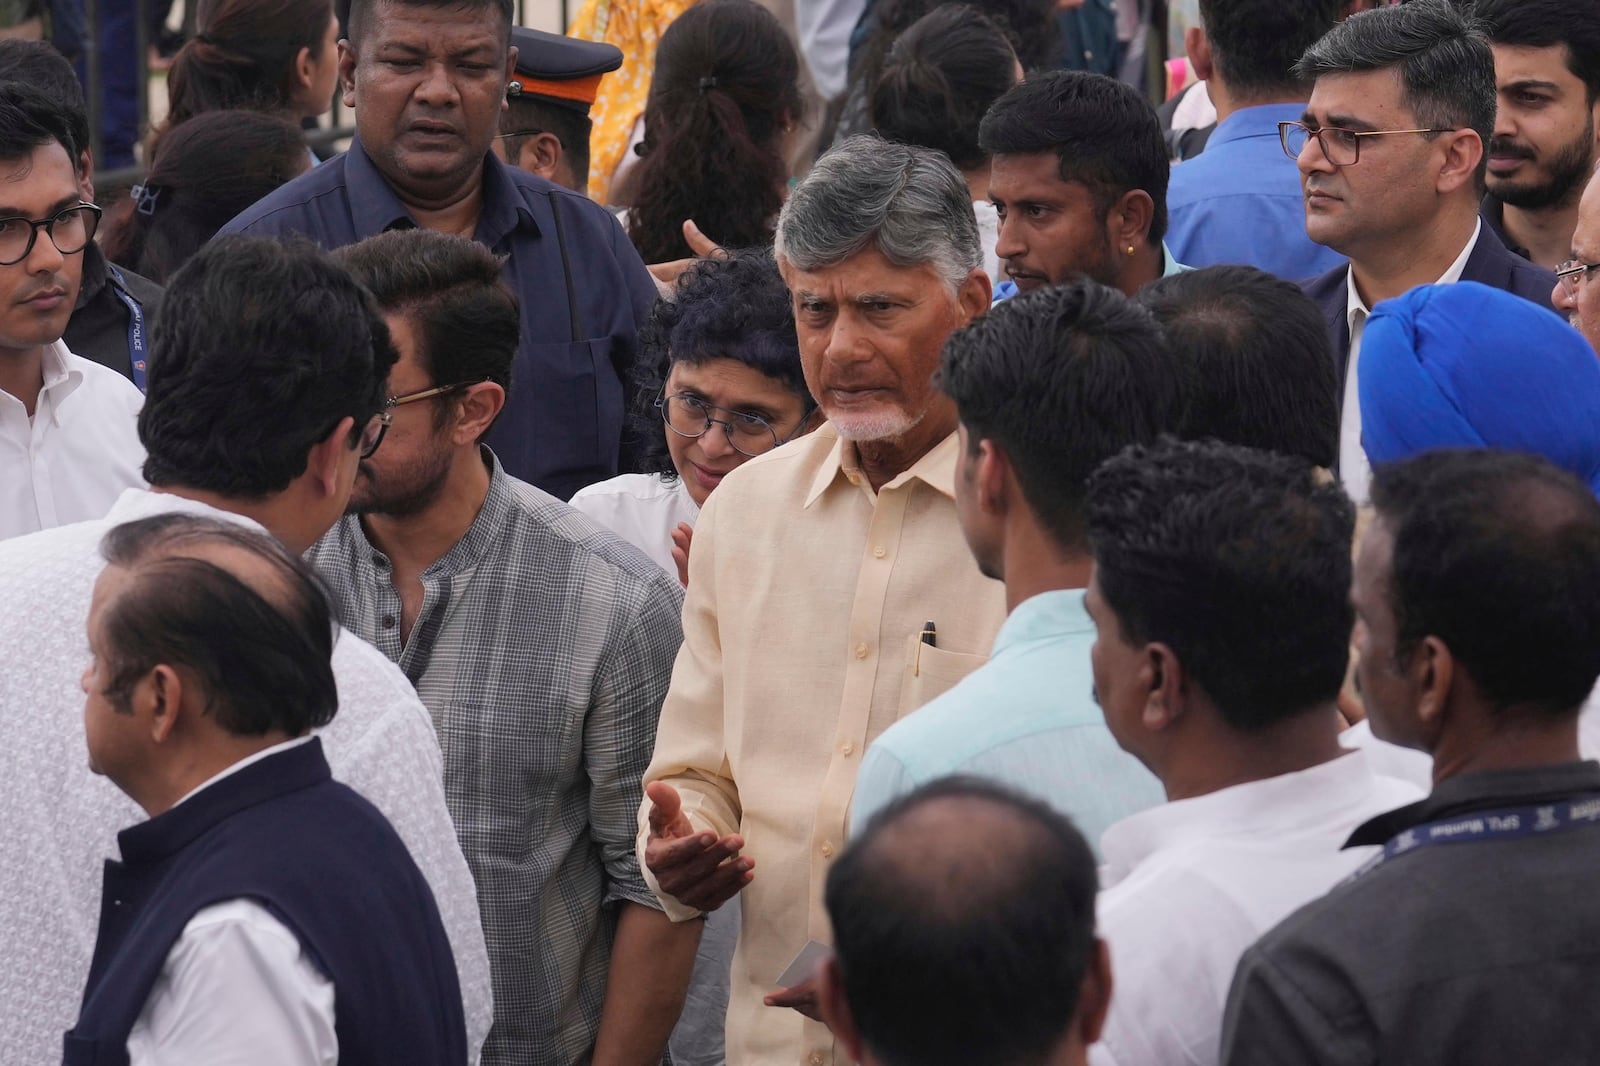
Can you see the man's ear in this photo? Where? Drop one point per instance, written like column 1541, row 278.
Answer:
column 1198, row 48
column 327, row 456
column 1433, row 671
column 975, row 295
column 86, row 175
column 347, row 72
column 1094, row 995
column 836, row 1010
column 1128, row 223
column 162, row 693
column 511, row 72
column 992, row 478
column 476, row 411
column 1463, row 151
column 541, row 155
column 1166, row 690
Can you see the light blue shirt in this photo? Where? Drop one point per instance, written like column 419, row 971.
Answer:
column 1239, row 201
column 1169, row 266
column 1027, row 719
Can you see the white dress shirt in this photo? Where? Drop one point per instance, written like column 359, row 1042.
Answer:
column 1354, row 469
column 988, row 237
column 1188, row 886
column 80, row 449
column 237, row 986
column 642, row 509
column 61, row 820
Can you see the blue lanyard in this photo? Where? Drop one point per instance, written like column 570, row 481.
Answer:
column 119, row 285
column 1508, row 824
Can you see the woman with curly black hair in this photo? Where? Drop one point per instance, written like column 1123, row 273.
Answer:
column 719, row 383
column 725, row 93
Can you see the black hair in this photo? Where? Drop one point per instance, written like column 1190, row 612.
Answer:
column 1546, row 24
column 259, row 349
column 243, row 56
column 1062, row 379
column 727, row 79
column 570, row 126
column 31, row 120
column 1239, row 561
column 1029, row 25
column 355, row 15
column 202, row 174
column 1262, row 363
column 262, row 647
column 1106, row 136
column 39, row 65
column 940, row 78
column 1446, row 68
column 959, row 948
column 1256, row 43
column 1497, row 554
column 724, row 308
column 468, row 321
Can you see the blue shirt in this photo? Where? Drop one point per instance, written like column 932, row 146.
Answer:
column 1026, row 718
column 1239, row 201
column 1169, row 266
column 581, row 311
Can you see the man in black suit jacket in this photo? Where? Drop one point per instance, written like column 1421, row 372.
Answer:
column 1391, row 156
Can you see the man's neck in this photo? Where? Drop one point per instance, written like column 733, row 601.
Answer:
column 1227, row 104
column 1234, row 757
column 884, row 460
column 1147, row 263
column 456, row 213
column 196, row 765
column 1419, row 257
column 22, row 375
column 1035, row 563
column 1505, row 741
column 1546, row 233
column 415, row 542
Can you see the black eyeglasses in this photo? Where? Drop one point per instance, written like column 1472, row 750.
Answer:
column 1340, row 146
column 1571, row 274
column 690, row 416
column 70, row 231
column 373, row 435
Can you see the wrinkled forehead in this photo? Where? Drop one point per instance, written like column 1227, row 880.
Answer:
column 862, row 275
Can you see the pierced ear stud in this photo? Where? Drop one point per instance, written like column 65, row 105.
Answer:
column 1130, row 249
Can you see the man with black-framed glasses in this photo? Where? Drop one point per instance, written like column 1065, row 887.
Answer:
column 1391, row 151
column 542, row 646
column 1577, row 290
column 69, row 442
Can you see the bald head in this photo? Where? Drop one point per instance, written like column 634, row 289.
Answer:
column 963, row 923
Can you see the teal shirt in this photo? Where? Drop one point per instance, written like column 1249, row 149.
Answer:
column 1027, row 719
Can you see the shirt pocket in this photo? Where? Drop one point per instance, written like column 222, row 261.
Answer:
column 930, row 672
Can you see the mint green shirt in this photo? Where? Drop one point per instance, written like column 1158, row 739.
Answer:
column 1027, row 719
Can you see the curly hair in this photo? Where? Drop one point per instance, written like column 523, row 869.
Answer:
column 725, row 308
column 727, row 81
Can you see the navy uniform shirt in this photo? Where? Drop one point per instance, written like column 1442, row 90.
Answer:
column 581, row 312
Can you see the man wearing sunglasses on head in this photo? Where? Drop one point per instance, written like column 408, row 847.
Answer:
column 1391, row 156
column 69, row 442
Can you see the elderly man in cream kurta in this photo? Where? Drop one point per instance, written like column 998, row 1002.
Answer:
column 814, row 571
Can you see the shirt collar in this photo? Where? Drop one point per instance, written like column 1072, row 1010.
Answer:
column 1169, row 263
column 135, row 504
column 936, row 469
column 1276, row 805
column 374, row 208
column 1354, row 303
column 1250, row 122
column 58, row 378
column 1048, row 616
column 1482, row 791
column 264, row 753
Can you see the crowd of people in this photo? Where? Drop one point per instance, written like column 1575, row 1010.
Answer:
column 910, row 560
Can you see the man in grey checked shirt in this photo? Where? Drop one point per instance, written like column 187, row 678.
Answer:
column 541, row 644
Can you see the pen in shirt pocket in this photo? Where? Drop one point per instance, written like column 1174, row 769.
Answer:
column 930, row 637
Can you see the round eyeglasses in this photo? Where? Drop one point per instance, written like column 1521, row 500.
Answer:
column 690, row 416
column 70, row 230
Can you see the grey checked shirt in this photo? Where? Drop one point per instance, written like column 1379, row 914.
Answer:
column 543, row 651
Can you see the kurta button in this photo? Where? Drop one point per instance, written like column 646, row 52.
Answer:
column 388, row 621
column 861, row 651
column 816, row 1058
column 880, row 551
column 827, row 851
column 847, row 747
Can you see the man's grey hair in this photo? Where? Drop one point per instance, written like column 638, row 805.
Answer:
column 911, row 203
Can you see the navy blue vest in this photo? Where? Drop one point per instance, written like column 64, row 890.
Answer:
column 327, row 864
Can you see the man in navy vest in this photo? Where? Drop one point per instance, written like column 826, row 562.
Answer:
column 264, row 913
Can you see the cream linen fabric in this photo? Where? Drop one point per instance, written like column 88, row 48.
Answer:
column 807, row 593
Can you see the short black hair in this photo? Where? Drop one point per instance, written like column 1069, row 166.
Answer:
column 31, row 120
column 1262, row 363
column 570, row 126
column 1546, row 24
column 940, row 78
column 262, row 648
column 1106, row 135
column 1236, row 559
column 734, row 307
column 1256, row 43
column 1497, row 554
column 259, row 349
column 38, row 64
column 1062, row 379
column 355, row 15
column 468, row 320
column 1446, row 68
column 965, row 949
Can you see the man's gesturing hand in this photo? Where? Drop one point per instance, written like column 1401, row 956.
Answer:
column 696, row 869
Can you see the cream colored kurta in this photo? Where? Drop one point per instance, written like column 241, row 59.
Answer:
column 807, row 593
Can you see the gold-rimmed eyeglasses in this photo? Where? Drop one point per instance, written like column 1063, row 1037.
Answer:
column 1571, row 275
